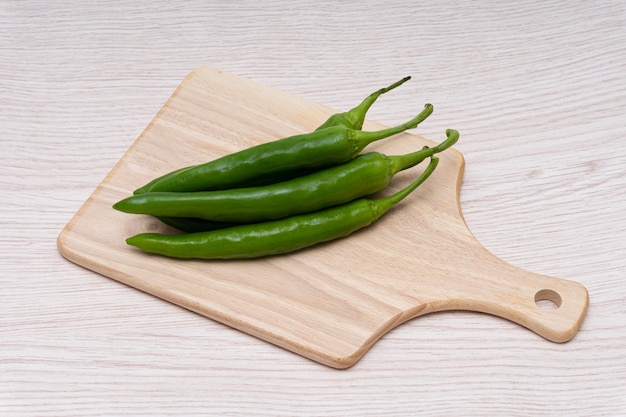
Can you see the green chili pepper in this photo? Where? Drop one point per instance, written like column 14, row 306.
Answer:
column 278, row 236
column 362, row 176
column 352, row 119
column 147, row 187
column 319, row 149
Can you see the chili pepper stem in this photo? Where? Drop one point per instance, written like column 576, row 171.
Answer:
column 402, row 162
column 356, row 116
column 382, row 205
column 365, row 138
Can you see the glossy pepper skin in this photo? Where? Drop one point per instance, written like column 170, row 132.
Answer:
column 352, row 119
column 362, row 176
column 278, row 236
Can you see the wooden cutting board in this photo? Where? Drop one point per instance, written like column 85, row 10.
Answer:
column 331, row 302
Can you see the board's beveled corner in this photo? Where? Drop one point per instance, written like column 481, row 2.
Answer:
column 201, row 70
column 337, row 362
column 398, row 319
column 61, row 241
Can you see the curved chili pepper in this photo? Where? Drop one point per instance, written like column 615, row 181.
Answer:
column 362, row 176
column 352, row 119
column 355, row 117
column 330, row 146
column 278, row 236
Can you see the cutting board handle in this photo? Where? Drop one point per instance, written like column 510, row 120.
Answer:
column 552, row 307
column 470, row 277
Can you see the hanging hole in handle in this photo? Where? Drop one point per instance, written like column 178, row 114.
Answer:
column 548, row 299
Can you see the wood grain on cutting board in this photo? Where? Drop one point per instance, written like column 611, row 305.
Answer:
column 331, row 302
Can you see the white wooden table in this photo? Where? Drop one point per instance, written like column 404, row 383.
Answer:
column 537, row 90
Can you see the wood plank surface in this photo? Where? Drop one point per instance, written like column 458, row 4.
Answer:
column 537, row 90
